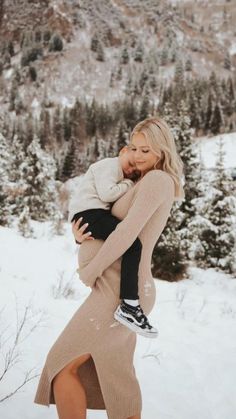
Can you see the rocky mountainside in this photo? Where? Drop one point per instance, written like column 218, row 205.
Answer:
column 106, row 43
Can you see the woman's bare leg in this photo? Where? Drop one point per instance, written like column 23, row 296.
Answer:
column 68, row 391
column 135, row 416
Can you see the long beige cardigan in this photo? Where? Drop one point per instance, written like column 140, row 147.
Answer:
column 109, row 376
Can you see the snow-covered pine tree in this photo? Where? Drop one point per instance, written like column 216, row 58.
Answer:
column 38, row 180
column 23, row 223
column 219, row 241
column 100, row 56
column 168, row 257
column 217, row 120
column 187, row 150
column 69, row 168
column 227, row 61
column 124, row 59
column 139, row 52
column 16, row 190
column 5, row 164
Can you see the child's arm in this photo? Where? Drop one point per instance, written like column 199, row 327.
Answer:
column 109, row 188
column 155, row 188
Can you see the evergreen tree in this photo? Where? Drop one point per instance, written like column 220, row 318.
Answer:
column 189, row 64
column 100, row 52
column 164, row 56
column 66, row 126
column 179, row 73
column 217, row 119
column 70, row 163
column 139, row 53
column 58, row 126
column 229, row 97
column 168, row 258
column 122, row 139
column 143, row 79
column 227, row 61
column 37, row 178
column 55, row 43
column 218, row 238
column 5, row 162
column 23, row 224
column 124, row 56
column 94, row 42
column 112, row 79
column 44, row 127
column 145, row 107
column 209, row 111
column 91, row 118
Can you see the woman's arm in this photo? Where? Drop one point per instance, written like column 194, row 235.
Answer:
column 155, row 187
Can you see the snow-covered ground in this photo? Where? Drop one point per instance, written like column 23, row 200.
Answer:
column 208, row 147
column 189, row 371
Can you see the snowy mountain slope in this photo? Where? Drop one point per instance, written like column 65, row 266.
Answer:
column 208, row 148
column 201, row 30
column 189, row 371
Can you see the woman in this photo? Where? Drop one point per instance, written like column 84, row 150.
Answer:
column 91, row 363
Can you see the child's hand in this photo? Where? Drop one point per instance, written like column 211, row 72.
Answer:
column 135, row 175
column 78, row 231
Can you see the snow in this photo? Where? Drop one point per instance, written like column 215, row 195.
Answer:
column 188, row 371
column 208, row 147
column 232, row 49
column 8, row 73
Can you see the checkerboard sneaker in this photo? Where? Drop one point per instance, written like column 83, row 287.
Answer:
column 135, row 319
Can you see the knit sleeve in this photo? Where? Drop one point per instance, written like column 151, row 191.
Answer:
column 155, row 187
column 108, row 182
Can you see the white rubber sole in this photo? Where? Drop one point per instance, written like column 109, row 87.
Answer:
column 134, row 328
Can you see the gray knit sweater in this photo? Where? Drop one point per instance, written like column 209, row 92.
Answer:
column 102, row 184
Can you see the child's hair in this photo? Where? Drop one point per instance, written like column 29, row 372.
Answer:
column 161, row 141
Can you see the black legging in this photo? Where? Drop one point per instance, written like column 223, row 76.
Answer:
column 101, row 224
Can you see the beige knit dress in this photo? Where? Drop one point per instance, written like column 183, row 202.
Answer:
column 109, row 376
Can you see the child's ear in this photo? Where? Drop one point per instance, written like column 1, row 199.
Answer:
column 124, row 149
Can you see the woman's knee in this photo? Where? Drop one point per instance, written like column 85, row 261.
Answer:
column 72, row 367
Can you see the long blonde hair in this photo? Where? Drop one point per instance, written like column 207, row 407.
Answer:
column 161, row 140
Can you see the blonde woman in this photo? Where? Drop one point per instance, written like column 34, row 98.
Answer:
column 90, row 366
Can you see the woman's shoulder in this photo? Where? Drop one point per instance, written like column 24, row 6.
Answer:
column 157, row 175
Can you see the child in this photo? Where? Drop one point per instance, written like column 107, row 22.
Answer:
column 103, row 183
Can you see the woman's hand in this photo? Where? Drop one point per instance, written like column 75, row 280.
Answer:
column 78, row 231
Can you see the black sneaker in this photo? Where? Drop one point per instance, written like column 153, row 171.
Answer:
column 135, row 319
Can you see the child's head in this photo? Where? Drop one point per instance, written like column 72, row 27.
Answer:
column 127, row 163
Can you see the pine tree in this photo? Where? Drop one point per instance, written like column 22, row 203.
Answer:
column 189, row 64
column 55, row 43
column 66, row 126
column 168, row 257
column 217, row 119
column 94, row 42
column 100, row 52
column 227, row 61
column 179, row 73
column 139, row 53
column 145, row 106
column 124, row 56
column 38, row 180
column 218, row 237
column 57, row 126
column 5, row 163
column 164, row 56
column 70, row 163
column 24, row 226
column 122, row 135
column 209, row 112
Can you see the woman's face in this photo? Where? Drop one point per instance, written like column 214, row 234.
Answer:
column 144, row 157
